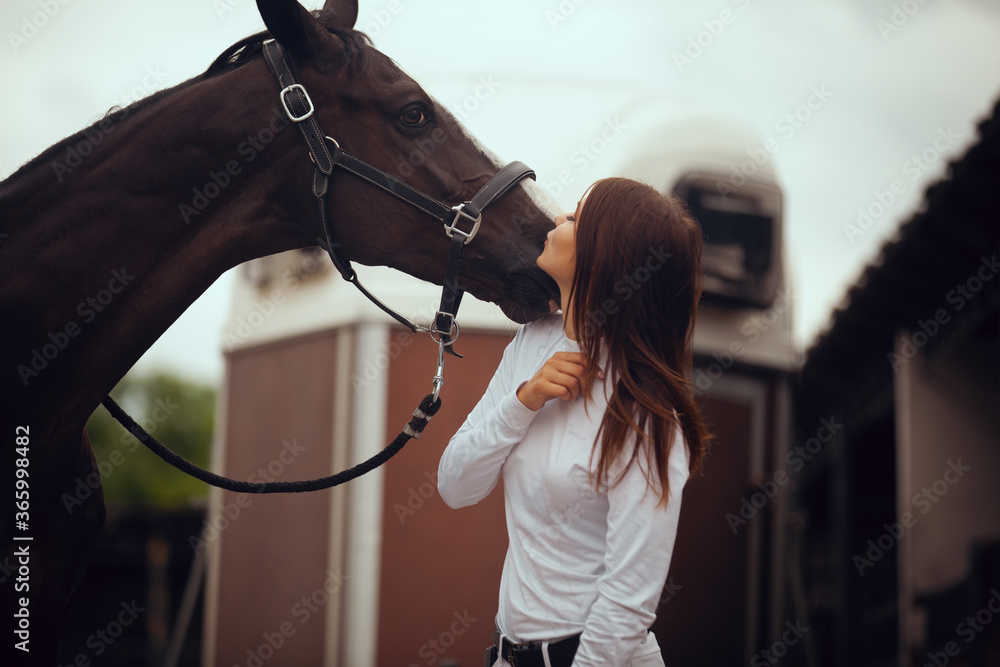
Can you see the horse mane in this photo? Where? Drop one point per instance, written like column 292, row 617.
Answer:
column 242, row 52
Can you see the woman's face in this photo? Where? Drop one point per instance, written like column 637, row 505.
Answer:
column 558, row 258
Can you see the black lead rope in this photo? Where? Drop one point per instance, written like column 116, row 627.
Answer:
column 428, row 408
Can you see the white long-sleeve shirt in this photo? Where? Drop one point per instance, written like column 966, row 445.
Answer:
column 577, row 560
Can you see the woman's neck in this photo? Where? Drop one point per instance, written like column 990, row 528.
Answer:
column 567, row 312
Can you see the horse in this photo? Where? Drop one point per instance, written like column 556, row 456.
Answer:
column 100, row 254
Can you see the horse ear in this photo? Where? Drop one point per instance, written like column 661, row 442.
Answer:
column 299, row 32
column 344, row 11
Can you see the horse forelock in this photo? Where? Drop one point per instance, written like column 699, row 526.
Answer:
column 355, row 46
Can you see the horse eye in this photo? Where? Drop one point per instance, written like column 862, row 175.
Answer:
column 413, row 116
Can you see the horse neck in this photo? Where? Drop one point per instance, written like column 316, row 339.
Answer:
column 165, row 199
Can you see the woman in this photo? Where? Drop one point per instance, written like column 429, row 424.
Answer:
column 592, row 482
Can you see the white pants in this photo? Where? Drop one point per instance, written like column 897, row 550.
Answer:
column 646, row 655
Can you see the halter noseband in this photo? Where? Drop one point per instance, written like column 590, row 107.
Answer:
column 299, row 109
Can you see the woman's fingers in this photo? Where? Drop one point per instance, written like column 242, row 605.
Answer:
column 563, row 372
column 559, row 377
column 575, row 357
column 570, row 363
column 565, row 387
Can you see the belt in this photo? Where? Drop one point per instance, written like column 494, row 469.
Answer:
column 532, row 654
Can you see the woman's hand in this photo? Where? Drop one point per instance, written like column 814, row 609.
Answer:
column 559, row 377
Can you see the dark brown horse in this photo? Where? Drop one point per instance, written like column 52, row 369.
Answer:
column 109, row 235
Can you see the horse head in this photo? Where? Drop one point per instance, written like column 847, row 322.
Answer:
column 378, row 113
column 179, row 187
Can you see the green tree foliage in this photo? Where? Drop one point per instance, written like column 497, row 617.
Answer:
column 174, row 411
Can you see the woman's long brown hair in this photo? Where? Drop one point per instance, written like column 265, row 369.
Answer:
column 633, row 298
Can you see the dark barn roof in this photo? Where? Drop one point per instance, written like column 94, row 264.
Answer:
column 940, row 247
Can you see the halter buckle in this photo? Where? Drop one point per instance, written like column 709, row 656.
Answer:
column 453, row 229
column 302, row 91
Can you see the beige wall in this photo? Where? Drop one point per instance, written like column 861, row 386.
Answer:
column 273, row 549
column 440, row 570
column 947, row 418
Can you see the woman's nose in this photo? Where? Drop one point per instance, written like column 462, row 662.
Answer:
column 561, row 218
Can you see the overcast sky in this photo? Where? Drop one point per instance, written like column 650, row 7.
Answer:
column 896, row 90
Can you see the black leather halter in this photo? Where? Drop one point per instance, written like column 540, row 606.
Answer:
column 299, row 109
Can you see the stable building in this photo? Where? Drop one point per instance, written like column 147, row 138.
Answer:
column 896, row 520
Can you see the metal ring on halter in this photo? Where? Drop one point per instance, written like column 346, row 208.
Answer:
column 332, row 141
column 436, row 335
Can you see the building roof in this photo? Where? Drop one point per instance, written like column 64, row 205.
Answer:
column 922, row 271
